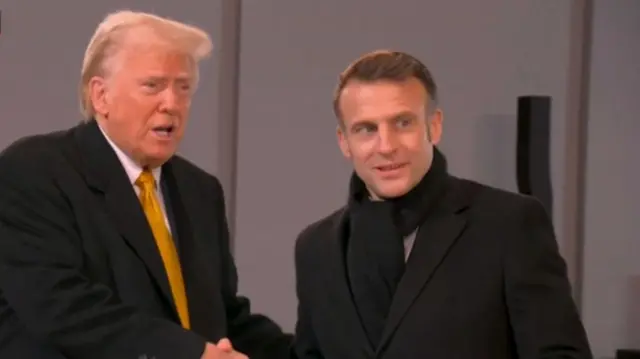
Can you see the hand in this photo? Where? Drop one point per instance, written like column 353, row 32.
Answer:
column 225, row 345
column 223, row 351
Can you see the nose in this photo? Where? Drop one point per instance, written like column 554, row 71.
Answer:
column 387, row 140
column 170, row 101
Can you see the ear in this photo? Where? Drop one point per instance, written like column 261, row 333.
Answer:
column 98, row 95
column 342, row 142
column 434, row 126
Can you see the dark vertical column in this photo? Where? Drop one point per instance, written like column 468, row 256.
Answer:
column 533, row 165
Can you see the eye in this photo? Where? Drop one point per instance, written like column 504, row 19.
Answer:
column 364, row 129
column 404, row 122
column 151, row 86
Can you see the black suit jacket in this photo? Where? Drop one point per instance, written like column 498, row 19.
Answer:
column 484, row 281
column 80, row 276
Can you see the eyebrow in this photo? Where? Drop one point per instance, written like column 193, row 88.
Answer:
column 180, row 78
column 403, row 114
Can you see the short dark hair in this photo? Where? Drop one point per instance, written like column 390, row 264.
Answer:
column 386, row 65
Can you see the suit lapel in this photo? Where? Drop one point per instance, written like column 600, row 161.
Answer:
column 339, row 290
column 125, row 210
column 433, row 241
column 200, row 283
column 106, row 176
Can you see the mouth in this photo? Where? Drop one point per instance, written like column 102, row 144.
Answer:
column 163, row 131
column 390, row 167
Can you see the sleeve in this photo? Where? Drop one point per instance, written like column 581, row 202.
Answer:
column 544, row 318
column 255, row 335
column 42, row 280
column 305, row 344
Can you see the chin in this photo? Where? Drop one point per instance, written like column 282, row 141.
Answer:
column 162, row 153
column 393, row 190
column 158, row 159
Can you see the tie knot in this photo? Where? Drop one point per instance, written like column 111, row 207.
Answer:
column 146, row 181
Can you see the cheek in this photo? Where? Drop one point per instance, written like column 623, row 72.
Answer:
column 183, row 123
column 186, row 105
column 133, row 129
column 416, row 143
column 135, row 103
column 362, row 150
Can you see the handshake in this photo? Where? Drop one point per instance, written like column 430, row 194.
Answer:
column 222, row 350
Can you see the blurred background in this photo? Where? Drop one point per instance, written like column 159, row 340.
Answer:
column 262, row 120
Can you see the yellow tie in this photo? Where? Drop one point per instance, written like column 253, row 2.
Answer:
column 167, row 248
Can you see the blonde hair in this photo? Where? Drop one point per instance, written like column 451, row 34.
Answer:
column 110, row 37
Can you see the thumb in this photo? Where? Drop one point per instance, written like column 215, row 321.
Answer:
column 225, row 345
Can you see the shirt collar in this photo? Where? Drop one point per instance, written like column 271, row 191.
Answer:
column 130, row 166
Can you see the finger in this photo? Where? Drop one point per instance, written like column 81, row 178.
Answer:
column 225, row 345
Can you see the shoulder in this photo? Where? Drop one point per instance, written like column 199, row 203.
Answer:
column 495, row 204
column 322, row 226
column 30, row 177
column 316, row 232
column 197, row 176
column 34, row 157
column 34, row 148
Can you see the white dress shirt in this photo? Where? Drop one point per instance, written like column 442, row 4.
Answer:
column 133, row 172
column 408, row 244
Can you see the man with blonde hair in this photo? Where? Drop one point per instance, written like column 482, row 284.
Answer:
column 111, row 245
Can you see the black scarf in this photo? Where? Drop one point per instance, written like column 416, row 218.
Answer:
column 375, row 248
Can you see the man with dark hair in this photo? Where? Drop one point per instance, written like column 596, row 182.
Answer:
column 419, row 263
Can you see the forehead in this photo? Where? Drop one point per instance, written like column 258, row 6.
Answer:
column 156, row 60
column 380, row 100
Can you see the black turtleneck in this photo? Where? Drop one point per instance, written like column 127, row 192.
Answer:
column 375, row 248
